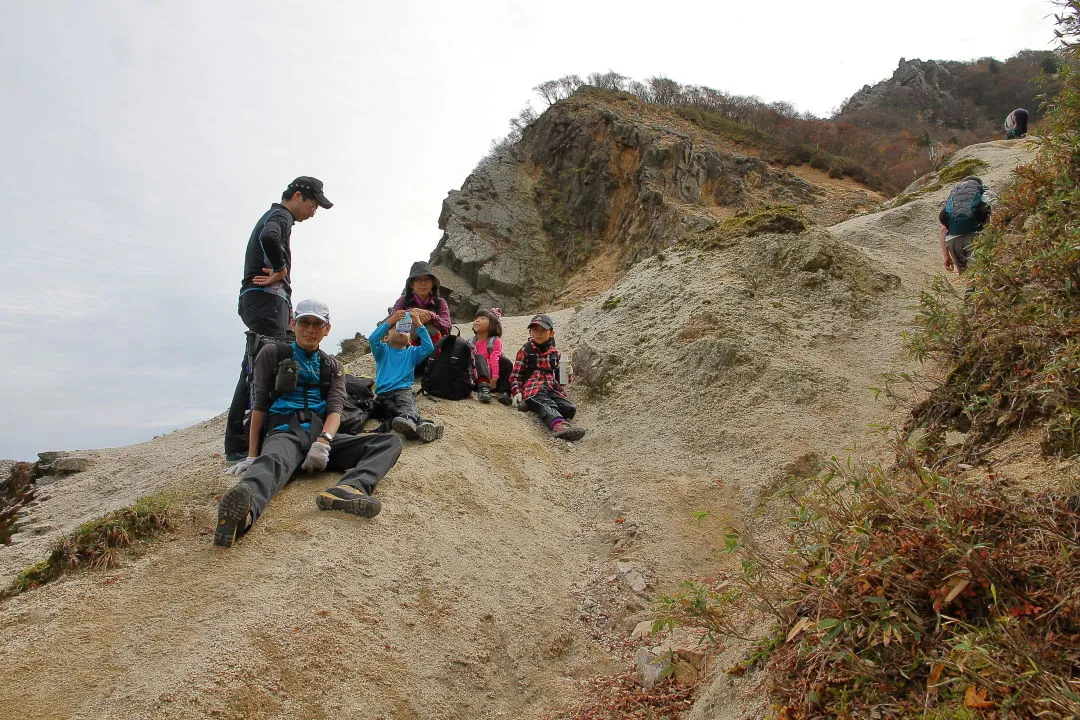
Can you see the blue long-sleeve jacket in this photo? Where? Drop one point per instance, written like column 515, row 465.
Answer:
column 396, row 368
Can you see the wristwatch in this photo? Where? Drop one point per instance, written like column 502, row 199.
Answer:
column 327, row 436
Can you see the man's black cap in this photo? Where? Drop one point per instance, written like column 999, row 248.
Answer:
column 543, row 321
column 311, row 186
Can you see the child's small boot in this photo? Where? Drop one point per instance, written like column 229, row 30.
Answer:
column 405, row 426
column 483, row 393
column 428, row 431
column 562, row 430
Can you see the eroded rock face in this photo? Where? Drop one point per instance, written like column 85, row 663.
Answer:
column 353, row 349
column 592, row 174
column 62, row 463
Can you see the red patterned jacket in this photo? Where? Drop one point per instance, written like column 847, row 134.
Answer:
column 544, row 375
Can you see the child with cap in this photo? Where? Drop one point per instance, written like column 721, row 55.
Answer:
column 535, row 382
column 395, row 368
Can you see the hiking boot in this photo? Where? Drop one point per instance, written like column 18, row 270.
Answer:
column 483, row 394
column 235, row 457
column 405, row 426
column 348, row 499
column 233, row 515
column 429, row 431
column 564, row 431
column 505, row 398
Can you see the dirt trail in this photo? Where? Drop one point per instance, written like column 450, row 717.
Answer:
column 486, row 588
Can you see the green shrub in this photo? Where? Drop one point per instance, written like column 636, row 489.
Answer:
column 907, row 593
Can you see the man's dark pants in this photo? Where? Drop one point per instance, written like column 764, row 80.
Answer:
column 365, row 459
column 550, row 406
column 266, row 314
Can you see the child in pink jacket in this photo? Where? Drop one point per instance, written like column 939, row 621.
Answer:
column 486, row 344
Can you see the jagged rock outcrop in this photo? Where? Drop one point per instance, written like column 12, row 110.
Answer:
column 960, row 96
column 926, row 84
column 597, row 173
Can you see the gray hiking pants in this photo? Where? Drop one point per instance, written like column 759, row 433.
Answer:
column 959, row 249
column 365, row 459
column 551, row 406
column 396, row 403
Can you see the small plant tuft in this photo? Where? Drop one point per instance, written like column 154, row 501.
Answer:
column 960, row 169
column 98, row 543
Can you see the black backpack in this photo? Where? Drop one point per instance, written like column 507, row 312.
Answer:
column 449, row 372
column 359, row 400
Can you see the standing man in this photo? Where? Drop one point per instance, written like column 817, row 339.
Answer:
column 965, row 214
column 299, row 395
column 265, row 292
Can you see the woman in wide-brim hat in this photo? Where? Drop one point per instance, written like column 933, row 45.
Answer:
column 422, row 293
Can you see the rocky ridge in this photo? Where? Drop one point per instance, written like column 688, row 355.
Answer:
column 598, row 182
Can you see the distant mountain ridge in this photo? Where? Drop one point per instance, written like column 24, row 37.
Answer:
column 924, row 95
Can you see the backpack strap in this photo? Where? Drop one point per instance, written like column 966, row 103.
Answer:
column 284, row 351
column 532, row 362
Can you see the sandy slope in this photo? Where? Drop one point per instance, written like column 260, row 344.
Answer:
column 487, row 587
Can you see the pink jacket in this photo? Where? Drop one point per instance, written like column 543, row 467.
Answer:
column 492, row 357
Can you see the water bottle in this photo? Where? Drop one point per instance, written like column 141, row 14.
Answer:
column 404, row 325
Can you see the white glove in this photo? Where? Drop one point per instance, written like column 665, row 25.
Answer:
column 317, row 457
column 518, row 401
column 241, row 467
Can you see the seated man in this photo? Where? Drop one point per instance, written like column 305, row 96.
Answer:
column 299, row 393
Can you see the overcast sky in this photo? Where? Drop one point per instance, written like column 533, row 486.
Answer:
column 142, row 140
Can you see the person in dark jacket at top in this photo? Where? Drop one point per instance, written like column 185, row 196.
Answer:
column 535, row 383
column 1016, row 124
column 265, row 303
column 422, row 293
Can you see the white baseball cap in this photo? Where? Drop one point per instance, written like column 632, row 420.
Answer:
column 312, row 308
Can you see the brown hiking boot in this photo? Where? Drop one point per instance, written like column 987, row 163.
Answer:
column 348, row 499
column 234, row 515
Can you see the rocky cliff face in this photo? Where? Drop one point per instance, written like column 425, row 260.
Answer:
column 598, row 175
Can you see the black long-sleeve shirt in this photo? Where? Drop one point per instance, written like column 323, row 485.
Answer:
column 269, row 247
